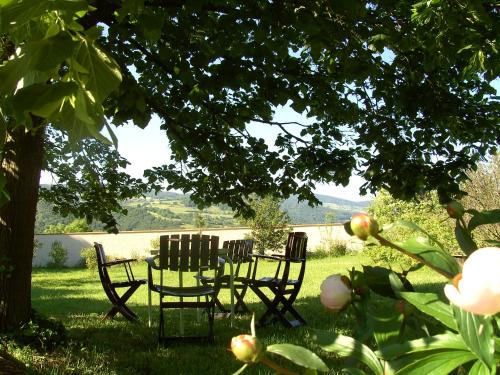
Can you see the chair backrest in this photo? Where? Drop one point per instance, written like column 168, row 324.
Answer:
column 103, row 272
column 295, row 252
column 296, row 246
column 101, row 260
column 188, row 253
column 240, row 251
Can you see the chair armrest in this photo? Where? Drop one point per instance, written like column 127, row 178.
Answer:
column 151, row 262
column 271, row 257
column 118, row 261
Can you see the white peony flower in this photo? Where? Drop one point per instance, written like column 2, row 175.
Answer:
column 335, row 292
column 477, row 288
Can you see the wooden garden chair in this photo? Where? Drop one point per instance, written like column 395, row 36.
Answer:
column 110, row 287
column 185, row 254
column 283, row 288
column 239, row 253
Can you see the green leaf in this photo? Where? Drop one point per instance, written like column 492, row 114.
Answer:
column 484, row 217
column 430, row 304
column 18, row 13
column 241, row 369
column 437, row 363
column 396, row 284
column 298, row 355
column 378, row 280
column 434, row 255
column 386, row 326
column 346, row 346
column 479, row 368
column 48, row 54
column 103, row 73
column 434, row 343
column 80, row 117
column 352, row 371
column 464, row 239
column 43, row 99
column 11, row 73
column 477, row 332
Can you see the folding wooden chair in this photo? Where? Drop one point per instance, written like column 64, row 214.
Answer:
column 110, row 287
column 185, row 254
column 239, row 252
column 284, row 290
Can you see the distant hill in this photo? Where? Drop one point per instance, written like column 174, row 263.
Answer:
column 175, row 210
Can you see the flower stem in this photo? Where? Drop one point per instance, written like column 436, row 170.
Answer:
column 276, row 367
column 385, row 242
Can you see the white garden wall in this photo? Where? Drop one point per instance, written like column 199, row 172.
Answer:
column 138, row 243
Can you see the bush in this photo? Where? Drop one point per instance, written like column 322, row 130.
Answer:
column 426, row 212
column 58, row 254
column 36, row 245
column 89, row 258
column 155, row 243
column 330, row 248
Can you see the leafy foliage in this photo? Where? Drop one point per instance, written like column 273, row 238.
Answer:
column 91, row 182
column 58, row 254
column 483, row 193
column 426, row 212
column 269, row 227
column 323, row 62
column 89, row 258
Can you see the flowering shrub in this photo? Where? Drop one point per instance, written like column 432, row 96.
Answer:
column 462, row 337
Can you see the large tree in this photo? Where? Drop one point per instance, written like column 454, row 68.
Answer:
column 399, row 94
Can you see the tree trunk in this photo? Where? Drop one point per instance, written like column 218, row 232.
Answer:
column 22, row 162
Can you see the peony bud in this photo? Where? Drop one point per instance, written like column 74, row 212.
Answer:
column 335, row 292
column 455, row 210
column 363, row 226
column 477, row 288
column 246, row 348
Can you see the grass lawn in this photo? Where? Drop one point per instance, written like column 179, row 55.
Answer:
column 98, row 346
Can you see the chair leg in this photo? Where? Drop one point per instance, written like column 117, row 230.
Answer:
column 120, row 307
column 288, row 307
column 211, row 314
column 220, row 306
column 149, row 307
column 271, row 306
column 279, row 313
column 161, row 325
column 240, row 306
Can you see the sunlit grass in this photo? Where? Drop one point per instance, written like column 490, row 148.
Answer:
column 98, row 346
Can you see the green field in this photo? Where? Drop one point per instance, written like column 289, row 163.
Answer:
column 99, row 346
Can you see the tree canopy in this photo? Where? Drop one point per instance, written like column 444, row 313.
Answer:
column 395, row 91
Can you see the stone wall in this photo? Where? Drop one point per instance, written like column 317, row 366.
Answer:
column 138, row 243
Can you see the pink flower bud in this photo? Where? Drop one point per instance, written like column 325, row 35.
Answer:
column 335, row 292
column 363, row 226
column 246, row 348
column 455, row 210
column 477, row 288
